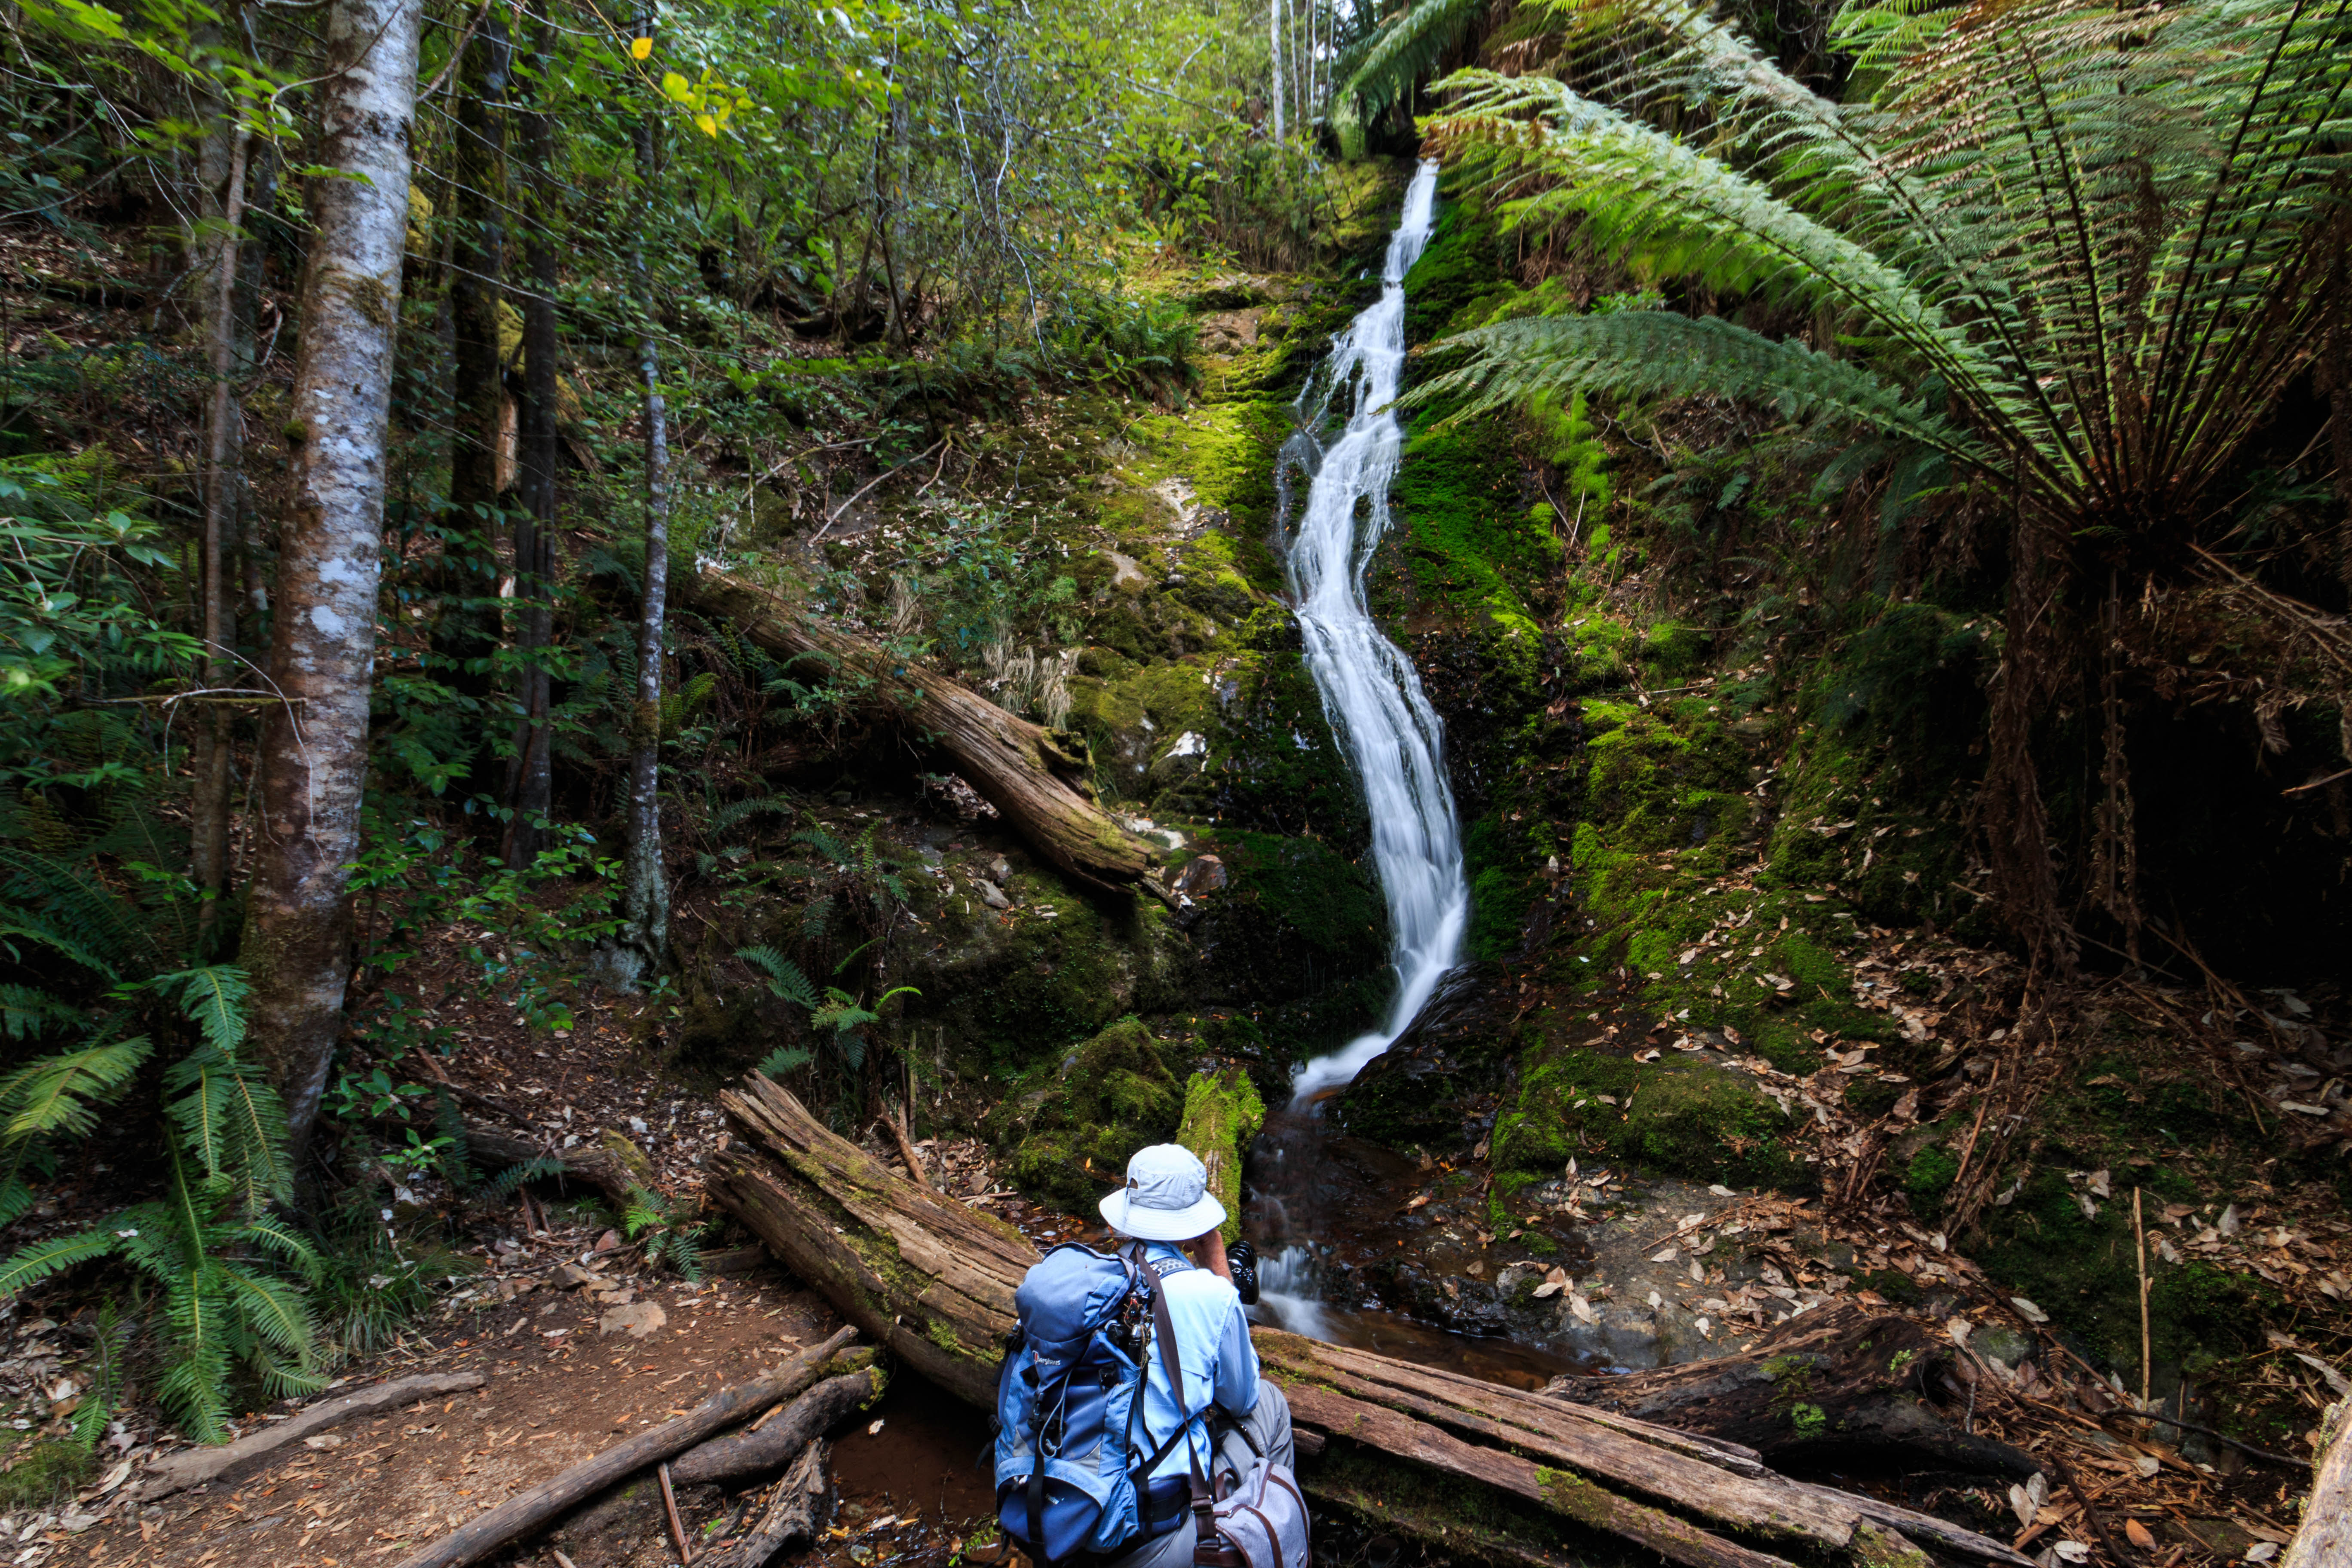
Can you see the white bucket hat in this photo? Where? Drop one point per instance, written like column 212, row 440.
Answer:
column 1165, row 1197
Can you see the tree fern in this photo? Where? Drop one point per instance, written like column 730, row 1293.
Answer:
column 2074, row 254
column 1403, row 51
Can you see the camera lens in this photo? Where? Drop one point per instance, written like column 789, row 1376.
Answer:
column 1242, row 1257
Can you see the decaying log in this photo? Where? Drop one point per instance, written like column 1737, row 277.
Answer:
column 196, row 1467
column 1854, row 1380
column 1036, row 777
column 2326, row 1538
column 749, row 1453
column 526, row 1511
column 924, row 1276
column 612, row 1165
column 791, row 1515
column 937, row 1280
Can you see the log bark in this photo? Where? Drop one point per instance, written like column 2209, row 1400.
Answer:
column 2325, row 1537
column 749, row 1453
column 517, row 1516
column 791, row 1515
column 1857, row 1378
column 937, row 1282
column 1223, row 1112
column 925, row 1277
column 197, row 1467
column 1036, row 777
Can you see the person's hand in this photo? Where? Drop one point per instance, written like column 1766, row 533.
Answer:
column 1209, row 1252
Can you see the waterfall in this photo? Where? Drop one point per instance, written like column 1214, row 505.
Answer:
column 1371, row 694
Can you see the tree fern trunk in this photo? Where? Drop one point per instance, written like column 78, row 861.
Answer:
column 322, row 651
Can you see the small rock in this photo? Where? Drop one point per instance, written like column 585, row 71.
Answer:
column 570, row 1276
column 1202, row 875
column 991, row 895
column 324, row 1441
column 639, row 1318
column 609, row 1242
column 620, row 1298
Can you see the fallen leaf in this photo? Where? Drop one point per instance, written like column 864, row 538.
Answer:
column 2139, row 1535
column 2032, row 1312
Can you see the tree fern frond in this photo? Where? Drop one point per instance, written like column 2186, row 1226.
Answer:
column 1400, row 54
column 27, row 1011
column 15, row 1197
column 77, row 914
column 273, row 1236
column 1651, row 352
column 277, row 1313
column 61, row 1093
column 234, row 1123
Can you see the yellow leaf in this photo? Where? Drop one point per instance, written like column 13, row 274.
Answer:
column 640, row 47
column 709, row 126
column 675, row 87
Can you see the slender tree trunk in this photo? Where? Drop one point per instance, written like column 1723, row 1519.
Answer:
column 209, row 809
column 322, row 648
column 529, row 789
column 645, row 892
column 469, row 631
column 1274, row 72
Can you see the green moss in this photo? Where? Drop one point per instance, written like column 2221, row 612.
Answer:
column 1071, row 1127
column 1928, row 1177
column 1676, row 1117
column 1470, row 545
column 46, row 1473
column 1223, row 1112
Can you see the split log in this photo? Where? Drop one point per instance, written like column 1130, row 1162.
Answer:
column 1223, row 1112
column 924, row 1276
column 791, row 1515
column 197, row 1466
column 938, row 1280
column 525, row 1512
column 1857, row 1379
column 1036, row 777
column 807, row 1418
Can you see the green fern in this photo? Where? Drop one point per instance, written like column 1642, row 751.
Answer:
column 785, row 1059
column 1403, row 51
column 60, row 1094
column 671, row 1237
column 785, row 976
column 544, row 1167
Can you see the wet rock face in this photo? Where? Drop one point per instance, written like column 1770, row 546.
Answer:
column 1432, row 1089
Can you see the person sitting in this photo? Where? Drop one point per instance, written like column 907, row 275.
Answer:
column 1167, row 1207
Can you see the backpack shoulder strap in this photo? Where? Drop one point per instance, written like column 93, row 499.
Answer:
column 1208, row 1550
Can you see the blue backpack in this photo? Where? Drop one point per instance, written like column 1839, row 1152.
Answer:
column 1070, row 1473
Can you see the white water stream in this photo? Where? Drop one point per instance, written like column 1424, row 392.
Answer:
column 1371, row 693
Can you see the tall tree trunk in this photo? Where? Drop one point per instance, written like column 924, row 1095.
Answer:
column 322, row 647
column 209, row 809
column 528, row 786
column 468, row 633
column 644, row 890
column 1274, row 70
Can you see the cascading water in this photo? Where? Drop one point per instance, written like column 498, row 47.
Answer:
column 1371, row 695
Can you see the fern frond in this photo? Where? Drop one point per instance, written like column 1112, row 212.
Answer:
column 27, row 1011
column 1399, row 55
column 735, row 813
column 273, row 1236
column 1647, row 352
column 543, row 1168
column 77, row 915
column 785, row 1059
column 824, row 844
column 58, row 1253
column 61, row 1093
column 816, row 916
column 15, row 1197
column 214, row 999
column 785, row 976
column 277, row 1313
column 234, row 1123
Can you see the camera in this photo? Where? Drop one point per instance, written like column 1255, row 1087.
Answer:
column 1241, row 1258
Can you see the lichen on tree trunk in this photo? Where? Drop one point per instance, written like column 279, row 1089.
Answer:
column 1223, row 1112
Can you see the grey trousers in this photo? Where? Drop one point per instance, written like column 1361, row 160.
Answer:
column 1268, row 1424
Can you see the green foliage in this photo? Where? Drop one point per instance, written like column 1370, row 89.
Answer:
column 1386, row 68
column 667, row 1228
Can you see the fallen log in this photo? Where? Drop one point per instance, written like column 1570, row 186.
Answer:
column 526, row 1511
column 927, row 1277
column 1036, row 777
column 750, row 1453
column 1857, row 1379
column 197, row 1467
column 2325, row 1537
column 791, row 1515
column 612, row 1165
column 938, row 1280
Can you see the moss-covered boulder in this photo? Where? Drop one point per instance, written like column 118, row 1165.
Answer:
column 1069, row 1131
column 1682, row 1118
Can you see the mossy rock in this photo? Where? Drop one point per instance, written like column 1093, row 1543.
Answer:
column 1071, row 1130
column 1684, row 1118
column 46, row 1473
column 1222, row 1111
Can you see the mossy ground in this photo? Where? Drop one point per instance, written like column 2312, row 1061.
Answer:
column 1682, row 1118
column 1070, row 1125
